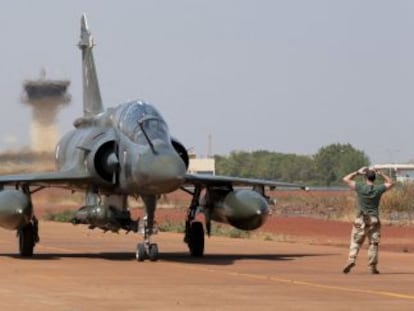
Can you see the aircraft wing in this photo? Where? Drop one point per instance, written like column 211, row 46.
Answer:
column 217, row 180
column 47, row 179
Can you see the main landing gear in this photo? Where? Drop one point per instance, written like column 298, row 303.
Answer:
column 28, row 237
column 194, row 231
column 195, row 239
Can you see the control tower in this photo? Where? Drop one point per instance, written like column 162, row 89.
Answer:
column 46, row 97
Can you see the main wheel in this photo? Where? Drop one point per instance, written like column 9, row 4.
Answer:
column 26, row 240
column 196, row 239
column 141, row 253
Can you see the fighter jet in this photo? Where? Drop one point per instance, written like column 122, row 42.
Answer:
column 127, row 151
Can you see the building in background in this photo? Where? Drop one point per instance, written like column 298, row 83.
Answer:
column 400, row 172
column 201, row 165
column 46, row 97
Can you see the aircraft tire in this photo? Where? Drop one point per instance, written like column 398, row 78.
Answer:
column 26, row 240
column 196, row 239
column 141, row 253
column 153, row 252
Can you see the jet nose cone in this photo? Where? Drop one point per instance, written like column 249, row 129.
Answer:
column 161, row 173
column 167, row 167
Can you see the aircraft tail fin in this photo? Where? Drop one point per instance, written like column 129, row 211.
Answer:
column 92, row 102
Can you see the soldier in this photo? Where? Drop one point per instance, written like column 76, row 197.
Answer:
column 367, row 223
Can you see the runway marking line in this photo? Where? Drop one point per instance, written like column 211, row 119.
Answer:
column 308, row 284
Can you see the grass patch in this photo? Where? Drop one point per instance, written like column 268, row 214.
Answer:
column 228, row 231
column 216, row 229
column 61, row 216
column 398, row 204
column 171, row 226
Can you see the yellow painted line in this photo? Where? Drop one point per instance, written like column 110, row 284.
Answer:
column 347, row 289
column 305, row 283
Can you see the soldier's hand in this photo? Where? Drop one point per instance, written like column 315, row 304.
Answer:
column 362, row 170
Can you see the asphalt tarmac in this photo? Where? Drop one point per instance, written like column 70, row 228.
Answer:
column 78, row 269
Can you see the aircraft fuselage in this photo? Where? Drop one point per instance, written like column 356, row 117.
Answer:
column 126, row 150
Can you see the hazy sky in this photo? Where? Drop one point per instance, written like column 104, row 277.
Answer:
column 286, row 76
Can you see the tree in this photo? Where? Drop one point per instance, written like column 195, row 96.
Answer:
column 327, row 167
column 268, row 165
column 336, row 160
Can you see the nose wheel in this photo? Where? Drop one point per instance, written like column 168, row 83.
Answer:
column 147, row 251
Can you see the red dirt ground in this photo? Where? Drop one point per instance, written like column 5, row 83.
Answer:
column 316, row 231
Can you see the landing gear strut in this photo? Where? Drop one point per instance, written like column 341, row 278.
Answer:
column 194, row 231
column 148, row 250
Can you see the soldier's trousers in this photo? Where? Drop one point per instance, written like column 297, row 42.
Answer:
column 365, row 227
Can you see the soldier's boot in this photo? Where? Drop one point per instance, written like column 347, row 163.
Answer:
column 348, row 267
column 373, row 269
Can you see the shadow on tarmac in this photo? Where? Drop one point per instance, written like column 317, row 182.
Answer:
column 177, row 257
column 228, row 259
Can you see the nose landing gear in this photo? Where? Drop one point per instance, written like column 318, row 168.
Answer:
column 147, row 250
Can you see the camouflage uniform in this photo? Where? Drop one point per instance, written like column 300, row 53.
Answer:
column 366, row 224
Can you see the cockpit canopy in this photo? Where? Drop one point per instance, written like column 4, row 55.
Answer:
column 135, row 116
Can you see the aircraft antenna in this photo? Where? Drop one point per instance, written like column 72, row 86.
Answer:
column 209, row 148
